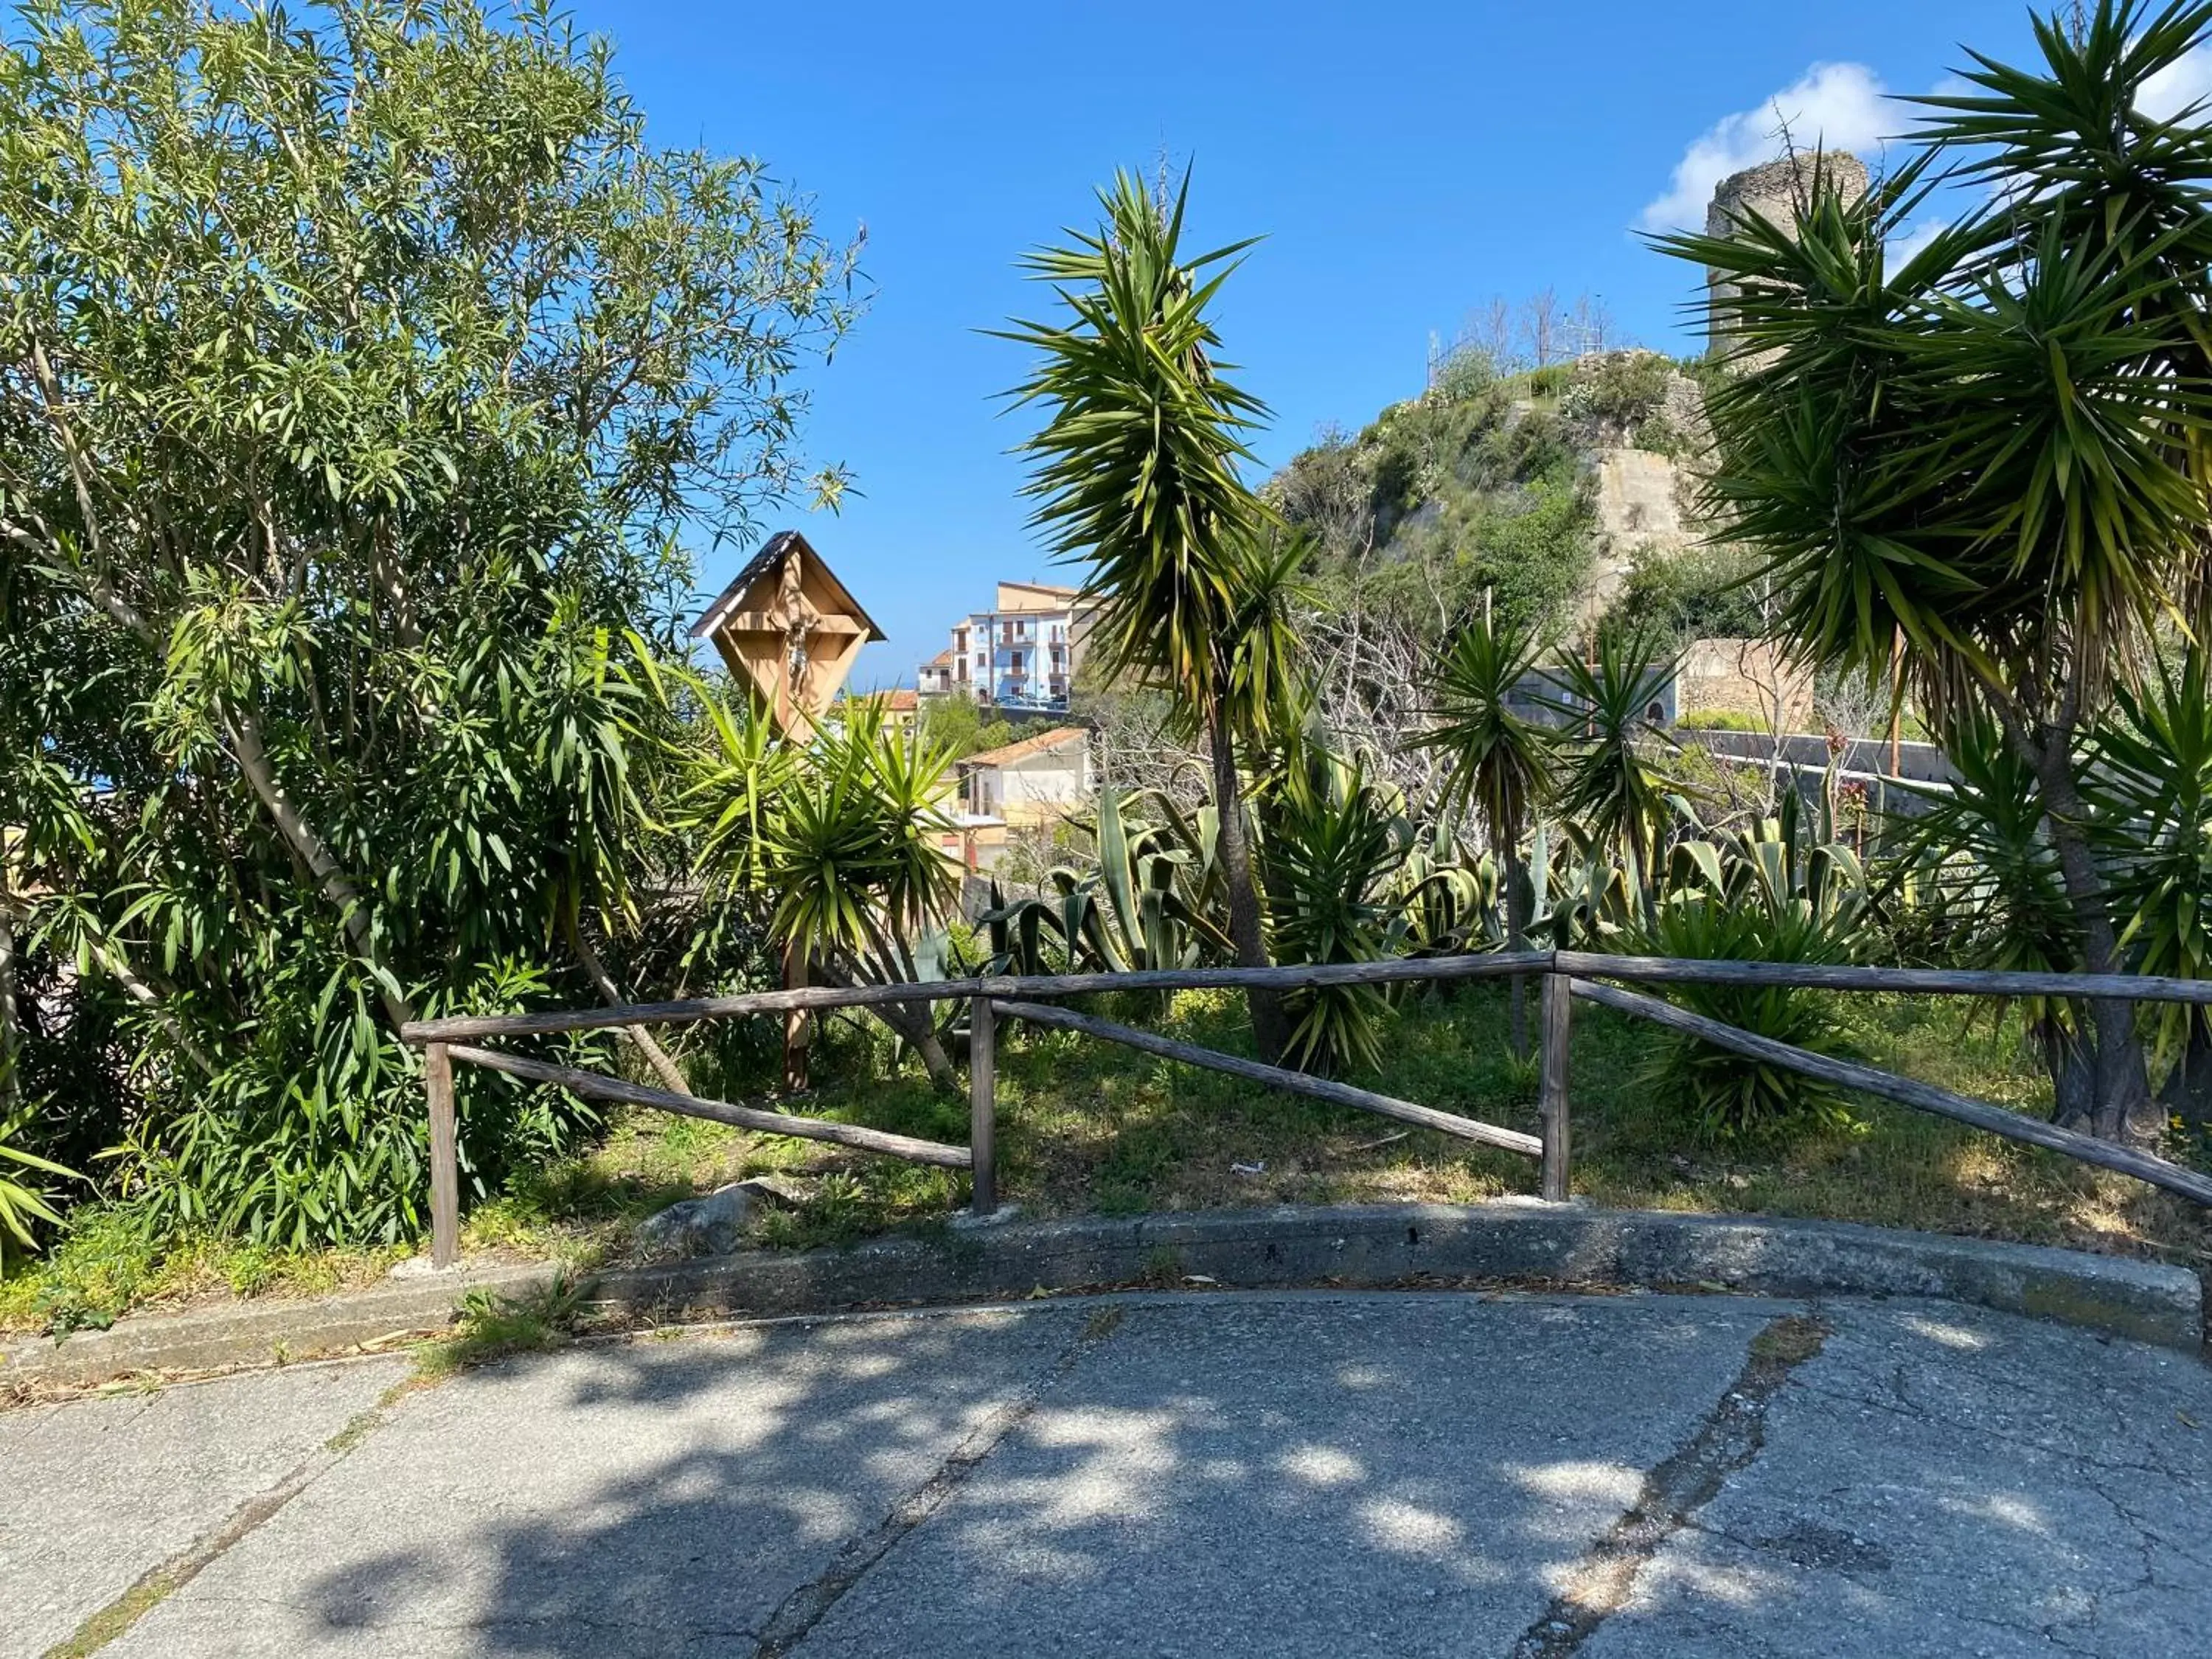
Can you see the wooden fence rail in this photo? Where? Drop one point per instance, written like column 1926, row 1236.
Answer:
column 1567, row 975
column 1296, row 1083
column 1925, row 1096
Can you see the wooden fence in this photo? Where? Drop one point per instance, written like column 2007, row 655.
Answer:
column 1567, row 977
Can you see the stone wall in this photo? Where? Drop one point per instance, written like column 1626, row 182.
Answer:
column 1743, row 677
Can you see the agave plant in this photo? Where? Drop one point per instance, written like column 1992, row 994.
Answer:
column 1447, row 900
column 1150, row 900
column 1779, row 864
column 1731, row 1096
column 1587, row 902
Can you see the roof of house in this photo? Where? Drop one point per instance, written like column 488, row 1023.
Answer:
column 1034, row 596
column 942, row 660
column 1057, row 737
column 899, row 700
column 769, row 558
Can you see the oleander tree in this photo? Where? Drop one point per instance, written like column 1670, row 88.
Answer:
column 361, row 366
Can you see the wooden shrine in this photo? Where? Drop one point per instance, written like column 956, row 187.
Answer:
column 791, row 630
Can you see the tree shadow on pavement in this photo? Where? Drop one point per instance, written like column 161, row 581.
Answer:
column 1409, row 1475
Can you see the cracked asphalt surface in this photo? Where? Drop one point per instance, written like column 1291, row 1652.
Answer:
column 1219, row 1473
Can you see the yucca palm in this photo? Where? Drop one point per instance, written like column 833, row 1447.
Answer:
column 1335, row 841
column 837, row 844
column 2151, row 782
column 1610, row 793
column 1994, row 452
column 1497, row 763
column 1138, row 472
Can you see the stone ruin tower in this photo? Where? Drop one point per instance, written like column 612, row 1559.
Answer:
column 1772, row 191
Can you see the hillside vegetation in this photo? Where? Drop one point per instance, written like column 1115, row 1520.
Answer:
column 1488, row 482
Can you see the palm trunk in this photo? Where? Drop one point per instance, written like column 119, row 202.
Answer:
column 911, row 1021
column 2188, row 1092
column 914, row 1026
column 1271, row 1033
column 2125, row 1109
column 1519, row 901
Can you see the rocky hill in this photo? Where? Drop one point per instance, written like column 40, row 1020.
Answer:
column 1564, row 492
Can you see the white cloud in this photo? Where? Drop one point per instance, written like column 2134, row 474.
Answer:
column 1832, row 105
column 2178, row 86
column 1912, row 240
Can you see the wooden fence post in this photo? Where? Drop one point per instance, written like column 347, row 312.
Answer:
column 445, row 1157
column 983, row 1105
column 1558, row 1005
column 795, row 1022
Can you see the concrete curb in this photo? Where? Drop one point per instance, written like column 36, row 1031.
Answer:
column 1509, row 1242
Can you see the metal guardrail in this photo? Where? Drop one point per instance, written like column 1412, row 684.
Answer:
column 1567, row 975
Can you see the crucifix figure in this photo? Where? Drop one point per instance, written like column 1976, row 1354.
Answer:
column 790, row 630
column 795, row 614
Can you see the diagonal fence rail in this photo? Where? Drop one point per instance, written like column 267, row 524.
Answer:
column 1567, row 975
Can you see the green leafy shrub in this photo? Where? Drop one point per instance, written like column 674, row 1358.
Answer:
column 24, row 1203
column 1726, row 1096
column 1720, row 720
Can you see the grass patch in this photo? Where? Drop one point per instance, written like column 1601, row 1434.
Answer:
column 109, row 1262
column 116, row 1618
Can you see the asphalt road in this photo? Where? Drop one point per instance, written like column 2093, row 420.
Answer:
column 1210, row 1474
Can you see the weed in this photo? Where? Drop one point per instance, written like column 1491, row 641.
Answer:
column 1162, row 1267
column 116, row 1618
column 490, row 1326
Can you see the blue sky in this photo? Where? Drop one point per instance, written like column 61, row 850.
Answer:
column 1405, row 162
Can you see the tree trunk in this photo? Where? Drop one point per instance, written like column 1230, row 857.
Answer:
column 1271, row 1033
column 11, row 1085
column 337, row 886
column 2125, row 1109
column 1520, row 901
column 912, row 1023
column 656, row 1056
column 2070, row 1057
column 795, row 1024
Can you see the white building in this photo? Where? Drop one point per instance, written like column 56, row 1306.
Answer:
column 1021, row 654
column 1036, row 781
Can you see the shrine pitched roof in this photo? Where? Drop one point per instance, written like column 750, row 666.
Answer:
column 770, row 557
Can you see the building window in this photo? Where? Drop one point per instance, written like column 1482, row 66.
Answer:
column 1018, row 662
